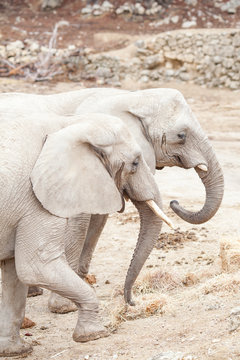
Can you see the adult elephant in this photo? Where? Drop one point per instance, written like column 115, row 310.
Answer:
column 46, row 181
column 169, row 134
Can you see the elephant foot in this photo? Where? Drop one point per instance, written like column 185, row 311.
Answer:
column 89, row 326
column 11, row 347
column 89, row 331
column 34, row 291
column 60, row 305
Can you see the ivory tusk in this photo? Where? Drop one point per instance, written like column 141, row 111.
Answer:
column 154, row 207
column 202, row 167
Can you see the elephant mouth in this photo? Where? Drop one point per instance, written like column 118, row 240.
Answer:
column 153, row 206
column 181, row 163
column 179, row 160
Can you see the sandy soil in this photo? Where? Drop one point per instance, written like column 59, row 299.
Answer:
column 198, row 295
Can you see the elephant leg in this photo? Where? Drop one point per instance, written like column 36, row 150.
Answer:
column 12, row 310
column 95, row 229
column 40, row 260
column 74, row 240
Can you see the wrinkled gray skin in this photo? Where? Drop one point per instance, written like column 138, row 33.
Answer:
column 51, row 166
column 169, row 135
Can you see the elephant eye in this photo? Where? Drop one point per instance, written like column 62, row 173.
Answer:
column 135, row 165
column 182, row 137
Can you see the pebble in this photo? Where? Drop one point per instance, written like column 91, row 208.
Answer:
column 189, row 24
column 234, row 319
column 170, row 355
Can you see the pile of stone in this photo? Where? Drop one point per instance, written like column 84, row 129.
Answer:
column 204, row 57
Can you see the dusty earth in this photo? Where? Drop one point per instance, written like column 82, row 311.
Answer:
column 192, row 288
column 22, row 19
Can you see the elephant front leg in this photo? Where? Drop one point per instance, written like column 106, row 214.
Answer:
column 74, row 238
column 12, row 310
column 41, row 261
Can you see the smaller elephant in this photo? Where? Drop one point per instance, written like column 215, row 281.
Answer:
column 52, row 169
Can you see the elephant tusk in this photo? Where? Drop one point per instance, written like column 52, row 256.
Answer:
column 154, row 207
column 202, row 167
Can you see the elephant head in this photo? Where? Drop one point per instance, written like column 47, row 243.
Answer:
column 169, row 135
column 88, row 167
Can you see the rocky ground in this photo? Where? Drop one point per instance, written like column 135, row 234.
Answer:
column 188, row 293
column 105, row 43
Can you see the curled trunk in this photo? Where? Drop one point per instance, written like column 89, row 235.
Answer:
column 214, row 186
column 150, row 227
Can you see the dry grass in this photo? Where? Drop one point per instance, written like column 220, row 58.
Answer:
column 230, row 255
column 157, row 281
column 148, row 295
column 151, row 293
column 147, row 305
column 224, row 283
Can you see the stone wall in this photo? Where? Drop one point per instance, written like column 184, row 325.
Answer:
column 204, row 57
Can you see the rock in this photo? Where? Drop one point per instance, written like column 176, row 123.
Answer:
column 125, row 8
column 153, row 61
column 144, row 79
column 189, row 24
column 235, row 311
column 140, row 43
column 170, row 355
column 234, row 85
column 175, row 19
column 14, row 48
column 103, row 72
column 97, row 12
column 2, row 51
column 234, row 319
column 230, row 6
column 107, row 6
column 191, row 2
column 86, row 10
column 51, row 4
column 139, row 9
column 217, row 59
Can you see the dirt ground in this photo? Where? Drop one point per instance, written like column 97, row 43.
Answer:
column 196, row 289
column 22, row 19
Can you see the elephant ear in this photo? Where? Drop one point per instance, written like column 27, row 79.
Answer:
column 69, row 178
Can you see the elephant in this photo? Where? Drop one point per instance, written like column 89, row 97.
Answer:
column 169, row 134
column 51, row 166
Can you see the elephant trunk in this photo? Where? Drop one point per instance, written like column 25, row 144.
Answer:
column 150, row 227
column 214, row 186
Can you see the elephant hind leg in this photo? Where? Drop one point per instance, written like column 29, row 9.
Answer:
column 95, row 229
column 40, row 260
column 12, row 310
